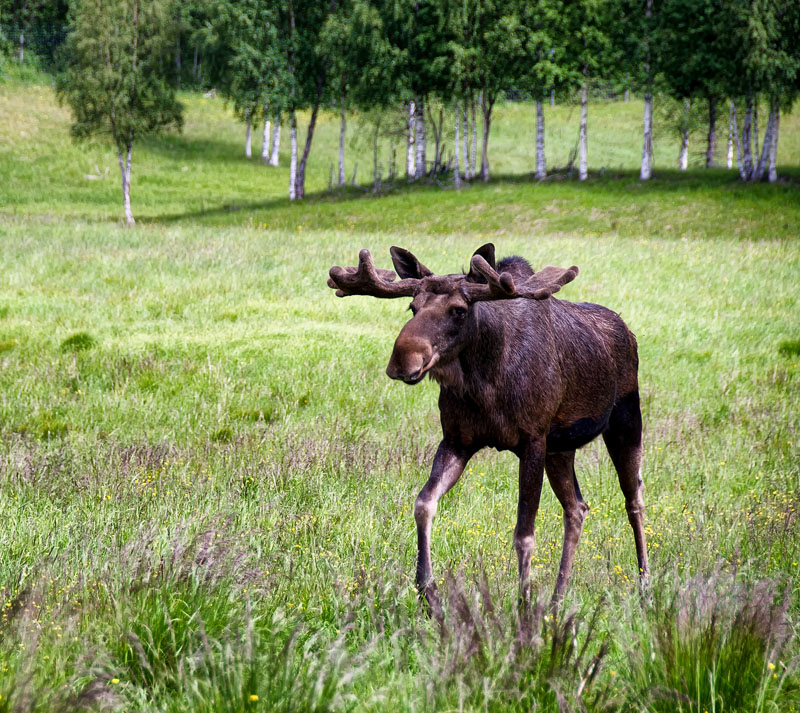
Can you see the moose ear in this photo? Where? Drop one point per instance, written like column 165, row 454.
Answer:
column 407, row 265
column 487, row 253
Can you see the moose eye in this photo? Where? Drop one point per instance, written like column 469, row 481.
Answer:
column 458, row 312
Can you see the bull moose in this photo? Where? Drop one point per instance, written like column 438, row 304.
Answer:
column 518, row 370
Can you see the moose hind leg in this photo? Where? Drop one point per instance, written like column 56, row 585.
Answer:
column 560, row 469
column 624, row 443
column 448, row 465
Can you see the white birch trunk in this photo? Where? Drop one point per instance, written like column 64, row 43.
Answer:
column 474, row 151
column 419, row 131
column 274, row 159
column 683, row 153
column 582, row 137
column 457, row 167
column 21, row 47
column 248, row 149
column 265, row 139
column 773, row 148
column 756, row 150
column 731, row 120
column 769, row 139
column 738, row 141
column 541, row 167
column 552, row 97
column 125, row 170
column 342, row 133
column 465, row 126
column 487, row 118
column 747, row 145
column 647, row 143
column 293, row 160
column 627, row 95
column 410, row 151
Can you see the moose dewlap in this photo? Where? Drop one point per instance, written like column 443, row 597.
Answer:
column 518, row 370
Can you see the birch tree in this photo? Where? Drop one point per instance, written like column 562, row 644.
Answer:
column 359, row 61
column 544, row 64
column 591, row 56
column 118, row 78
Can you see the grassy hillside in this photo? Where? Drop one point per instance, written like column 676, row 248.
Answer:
column 207, row 480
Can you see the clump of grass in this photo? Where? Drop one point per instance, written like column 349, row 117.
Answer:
column 495, row 655
column 711, row 644
column 222, row 435
column 6, row 345
column 789, row 347
column 78, row 342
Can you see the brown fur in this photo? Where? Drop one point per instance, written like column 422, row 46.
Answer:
column 534, row 375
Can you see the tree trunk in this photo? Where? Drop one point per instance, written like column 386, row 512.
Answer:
column 247, row 142
column 486, row 105
column 474, row 150
column 647, row 144
column 21, row 46
column 266, row 138
column 627, row 95
column 125, row 170
column 647, row 140
column 457, row 167
column 410, row 153
column 747, row 146
column 755, row 132
column 419, row 138
column 582, row 137
column 683, row 153
column 465, row 127
column 552, row 97
column 194, row 66
column 731, row 122
column 376, row 174
column 342, row 134
column 274, row 159
column 738, row 140
column 712, row 132
column 541, row 168
column 769, row 139
column 293, row 160
column 301, row 168
column 773, row 148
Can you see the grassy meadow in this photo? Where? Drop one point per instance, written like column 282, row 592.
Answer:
column 207, row 480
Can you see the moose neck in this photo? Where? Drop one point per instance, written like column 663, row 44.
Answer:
column 492, row 350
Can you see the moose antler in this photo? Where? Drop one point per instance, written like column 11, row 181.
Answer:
column 366, row 279
column 539, row 286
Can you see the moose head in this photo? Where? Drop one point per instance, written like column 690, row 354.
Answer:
column 441, row 304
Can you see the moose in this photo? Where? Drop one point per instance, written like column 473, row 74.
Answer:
column 518, row 370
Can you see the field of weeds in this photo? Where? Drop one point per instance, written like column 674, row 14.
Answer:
column 207, row 480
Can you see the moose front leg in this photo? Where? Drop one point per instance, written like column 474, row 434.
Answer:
column 531, row 473
column 448, row 465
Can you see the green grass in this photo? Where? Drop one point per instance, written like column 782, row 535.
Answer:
column 207, row 480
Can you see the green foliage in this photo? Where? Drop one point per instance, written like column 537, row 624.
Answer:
column 115, row 77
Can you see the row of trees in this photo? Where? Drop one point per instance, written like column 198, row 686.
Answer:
column 438, row 62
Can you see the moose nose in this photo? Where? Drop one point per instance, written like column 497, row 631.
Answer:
column 409, row 358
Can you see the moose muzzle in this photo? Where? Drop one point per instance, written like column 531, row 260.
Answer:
column 412, row 358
